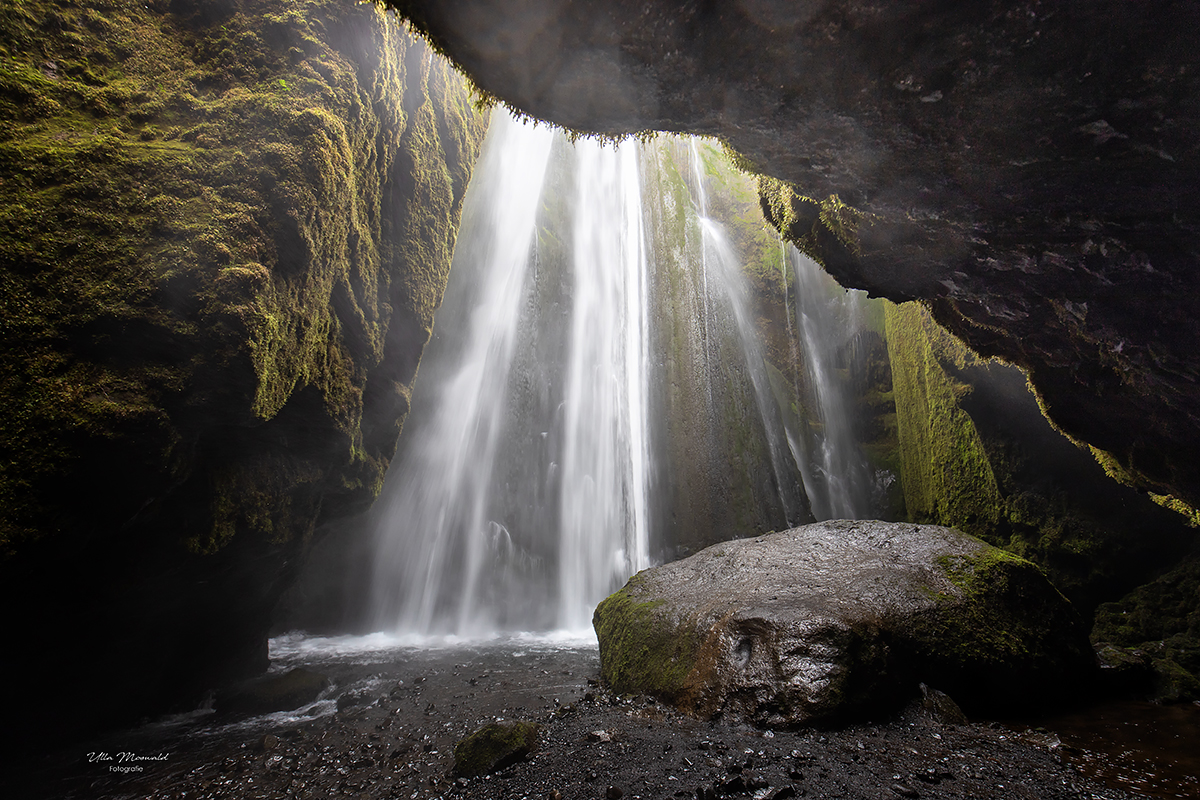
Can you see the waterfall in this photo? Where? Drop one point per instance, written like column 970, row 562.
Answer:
column 720, row 255
column 518, row 498
column 551, row 401
column 604, row 512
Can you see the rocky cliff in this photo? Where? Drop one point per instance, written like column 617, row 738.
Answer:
column 225, row 227
column 1029, row 169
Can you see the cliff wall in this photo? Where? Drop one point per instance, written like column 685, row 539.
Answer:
column 225, row 227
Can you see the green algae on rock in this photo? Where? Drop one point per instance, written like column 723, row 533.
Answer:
column 494, row 746
column 1160, row 620
column 832, row 619
column 224, row 230
column 976, row 453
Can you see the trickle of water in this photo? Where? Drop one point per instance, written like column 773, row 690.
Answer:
column 837, row 479
column 733, row 283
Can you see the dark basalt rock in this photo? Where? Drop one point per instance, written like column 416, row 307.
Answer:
column 1029, row 169
column 829, row 619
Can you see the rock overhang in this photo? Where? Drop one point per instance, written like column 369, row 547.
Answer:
column 1026, row 169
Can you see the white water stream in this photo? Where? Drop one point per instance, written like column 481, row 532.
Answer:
column 521, row 500
column 837, row 479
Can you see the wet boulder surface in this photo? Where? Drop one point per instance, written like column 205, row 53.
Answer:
column 837, row 618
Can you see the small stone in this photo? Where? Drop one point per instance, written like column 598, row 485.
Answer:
column 599, row 736
column 268, row 742
column 613, row 793
column 904, row 790
column 554, row 794
column 732, row 786
column 941, row 707
column 493, row 747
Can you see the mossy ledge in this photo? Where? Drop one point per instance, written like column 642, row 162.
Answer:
column 977, row 454
column 225, row 227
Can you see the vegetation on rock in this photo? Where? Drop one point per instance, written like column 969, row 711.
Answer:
column 224, row 229
column 493, row 747
column 976, row 454
column 733, row 631
column 1161, row 619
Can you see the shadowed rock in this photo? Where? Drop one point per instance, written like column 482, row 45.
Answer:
column 269, row 693
column 837, row 617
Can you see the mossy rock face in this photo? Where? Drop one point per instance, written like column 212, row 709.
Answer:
column 1160, row 622
column 976, row 453
column 841, row 618
column 224, row 230
column 495, row 746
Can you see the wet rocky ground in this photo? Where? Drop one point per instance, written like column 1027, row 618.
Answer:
column 387, row 727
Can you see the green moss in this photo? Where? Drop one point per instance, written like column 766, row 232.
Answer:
column 494, row 747
column 816, row 227
column 1161, row 618
column 197, row 212
column 640, row 654
column 945, row 471
column 991, row 621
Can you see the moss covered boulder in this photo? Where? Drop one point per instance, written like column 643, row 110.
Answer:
column 1157, row 625
column 838, row 618
column 493, row 747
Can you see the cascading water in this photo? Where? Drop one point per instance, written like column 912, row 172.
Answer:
column 521, row 496
column 719, row 254
column 518, row 500
column 838, row 480
column 433, row 570
column 605, row 536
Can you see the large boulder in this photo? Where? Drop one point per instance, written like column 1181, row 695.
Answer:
column 837, row 618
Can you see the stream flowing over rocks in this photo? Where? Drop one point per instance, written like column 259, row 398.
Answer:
column 829, row 619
